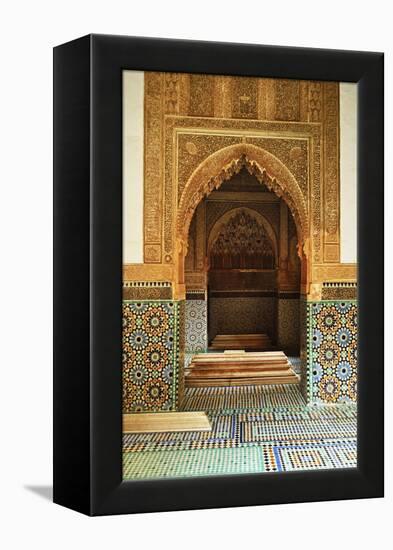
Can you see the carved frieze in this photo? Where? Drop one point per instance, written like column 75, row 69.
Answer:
column 339, row 291
column 331, row 172
column 148, row 272
column 172, row 93
column 287, row 100
column 334, row 272
column 222, row 97
column 153, row 171
column 244, row 97
column 196, row 281
column 201, row 95
column 315, row 101
column 147, row 290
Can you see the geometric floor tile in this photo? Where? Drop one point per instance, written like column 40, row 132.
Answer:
column 241, row 398
column 266, row 439
column 321, row 457
column 192, row 463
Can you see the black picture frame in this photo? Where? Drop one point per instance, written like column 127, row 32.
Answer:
column 88, row 274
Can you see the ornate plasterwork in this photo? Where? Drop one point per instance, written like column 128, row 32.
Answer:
column 242, row 242
column 339, row 291
column 201, row 95
column 253, row 216
column 148, row 272
column 331, row 173
column 153, row 171
column 215, row 209
column 189, row 117
column 291, row 152
column 200, row 230
column 147, row 290
column 334, row 272
column 222, row 165
column 196, row 281
column 315, row 101
column 295, row 145
column 194, row 149
column 244, row 97
column 287, row 100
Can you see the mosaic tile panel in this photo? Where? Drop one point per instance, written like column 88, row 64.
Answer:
column 242, row 315
column 196, row 325
column 150, row 355
column 180, row 360
column 332, row 351
column 288, row 318
column 304, row 331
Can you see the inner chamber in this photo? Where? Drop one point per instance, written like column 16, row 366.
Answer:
column 242, row 262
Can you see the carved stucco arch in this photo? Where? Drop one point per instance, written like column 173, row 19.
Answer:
column 223, row 164
column 223, row 220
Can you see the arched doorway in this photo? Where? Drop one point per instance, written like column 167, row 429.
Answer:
column 271, row 175
column 251, row 272
column 220, row 167
column 242, row 263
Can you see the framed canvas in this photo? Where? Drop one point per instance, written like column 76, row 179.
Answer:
column 218, row 275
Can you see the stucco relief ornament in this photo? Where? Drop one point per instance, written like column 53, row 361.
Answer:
column 221, row 166
column 243, row 155
column 305, row 247
column 191, row 148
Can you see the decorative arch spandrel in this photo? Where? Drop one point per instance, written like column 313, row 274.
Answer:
column 226, row 162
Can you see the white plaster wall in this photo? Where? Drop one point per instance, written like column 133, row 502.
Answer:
column 348, row 172
column 133, row 101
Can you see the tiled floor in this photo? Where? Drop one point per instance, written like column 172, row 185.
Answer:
column 242, row 398
column 255, row 429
